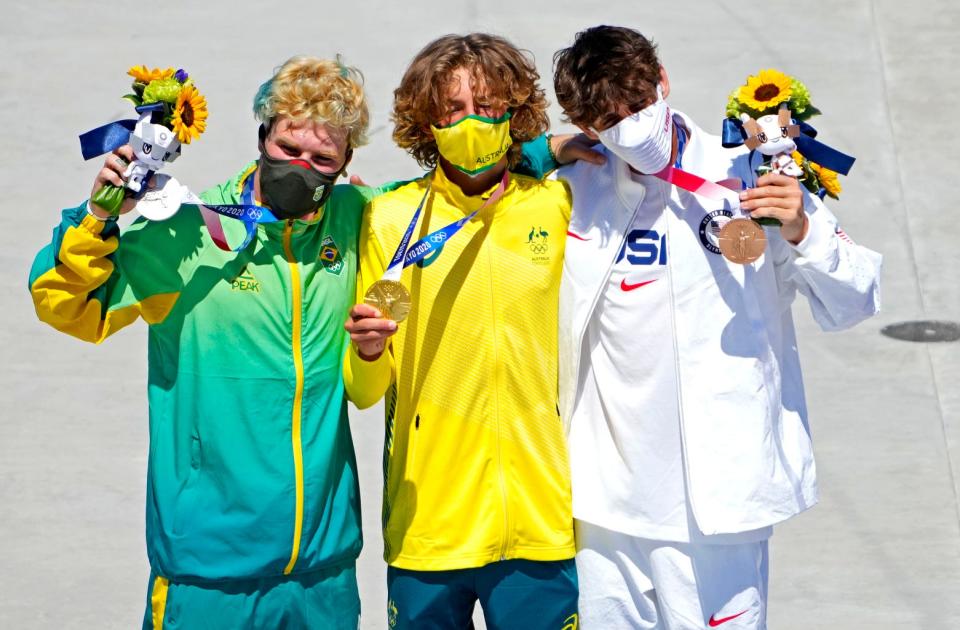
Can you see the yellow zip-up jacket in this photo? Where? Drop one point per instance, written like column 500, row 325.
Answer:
column 475, row 459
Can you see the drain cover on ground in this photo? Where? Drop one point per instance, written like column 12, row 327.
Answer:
column 923, row 331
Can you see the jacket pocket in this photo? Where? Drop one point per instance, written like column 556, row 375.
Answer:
column 184, row 508
column 195, row 455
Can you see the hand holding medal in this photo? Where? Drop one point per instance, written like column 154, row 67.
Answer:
column 389, row 297
column 387, row 301
column 387, row 294
column 767, row 114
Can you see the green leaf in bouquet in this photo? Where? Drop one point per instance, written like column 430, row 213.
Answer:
column 733, row 106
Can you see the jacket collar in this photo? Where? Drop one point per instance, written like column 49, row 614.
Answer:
column 452, row 194
column 274, row 228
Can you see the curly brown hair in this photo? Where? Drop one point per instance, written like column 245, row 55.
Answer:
column 507, row 73
column 606, row 68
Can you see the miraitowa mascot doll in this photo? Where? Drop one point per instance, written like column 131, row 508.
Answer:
column 155, row 145
column 171, row 113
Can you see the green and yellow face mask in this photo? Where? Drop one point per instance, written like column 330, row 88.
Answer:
column 474, row 143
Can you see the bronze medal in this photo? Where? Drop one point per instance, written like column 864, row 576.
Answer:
column 389, row 297
column 742, row 241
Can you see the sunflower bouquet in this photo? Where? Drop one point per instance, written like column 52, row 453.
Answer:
column 773, row 105
column 171, row 112
column 184, row 108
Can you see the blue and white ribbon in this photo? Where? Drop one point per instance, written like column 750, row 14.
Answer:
column 165, row 198
column 434, row 241
column 248, row 212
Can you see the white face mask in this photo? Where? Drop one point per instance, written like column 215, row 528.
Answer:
column 643, row 140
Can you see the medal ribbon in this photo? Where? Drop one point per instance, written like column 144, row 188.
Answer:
column 397, row 262
column 250, row 213
column 727, row 189
column 434, row 241
column 694, row 183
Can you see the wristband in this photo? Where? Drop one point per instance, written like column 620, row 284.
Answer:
column 97, row 216
column 553, row 156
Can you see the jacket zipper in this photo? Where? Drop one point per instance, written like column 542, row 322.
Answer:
column 496, row 409
column 297, row 304
column 676, row 369
column 596, row 298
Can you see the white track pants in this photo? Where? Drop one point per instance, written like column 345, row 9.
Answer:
column 629, row 582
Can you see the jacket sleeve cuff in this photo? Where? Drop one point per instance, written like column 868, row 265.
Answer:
column 94, row 223
column 367, row 381
column 537, row 159
column 819, row 240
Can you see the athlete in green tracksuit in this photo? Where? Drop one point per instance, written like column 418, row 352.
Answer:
column 253, row 511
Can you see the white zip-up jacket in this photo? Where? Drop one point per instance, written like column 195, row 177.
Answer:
column 743, row 418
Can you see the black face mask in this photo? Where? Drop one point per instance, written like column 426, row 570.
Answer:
column 291, row 188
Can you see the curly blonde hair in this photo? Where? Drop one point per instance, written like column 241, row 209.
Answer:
column 508, row 74
column 320, row 90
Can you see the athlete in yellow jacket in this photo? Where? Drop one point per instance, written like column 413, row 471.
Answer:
column 477, row 493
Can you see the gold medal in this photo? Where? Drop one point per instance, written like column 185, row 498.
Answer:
column 742, row 241
column 389, row 297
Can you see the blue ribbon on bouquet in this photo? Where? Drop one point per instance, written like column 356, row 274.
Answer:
column 111, row 136
column 734, row 135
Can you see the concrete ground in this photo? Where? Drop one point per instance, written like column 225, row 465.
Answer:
column 883, row 548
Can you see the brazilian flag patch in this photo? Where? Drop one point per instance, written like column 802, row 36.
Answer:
column 330, row 256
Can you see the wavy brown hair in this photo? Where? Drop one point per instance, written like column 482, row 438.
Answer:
column 606, row 68
column 508, row 75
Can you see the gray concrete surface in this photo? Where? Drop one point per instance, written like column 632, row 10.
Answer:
column 883, row 548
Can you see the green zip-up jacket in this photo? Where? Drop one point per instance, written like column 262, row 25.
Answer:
column 251, row 471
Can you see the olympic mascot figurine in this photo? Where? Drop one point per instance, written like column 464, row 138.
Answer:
column 171, row 113
column 155, row 146
column 768, row 114
column 773, row 137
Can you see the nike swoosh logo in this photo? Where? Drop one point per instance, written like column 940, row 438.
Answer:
column 631, row 287
column 577, row 236
column 716, row 622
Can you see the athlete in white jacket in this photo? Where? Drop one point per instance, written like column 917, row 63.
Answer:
column 680, row 379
